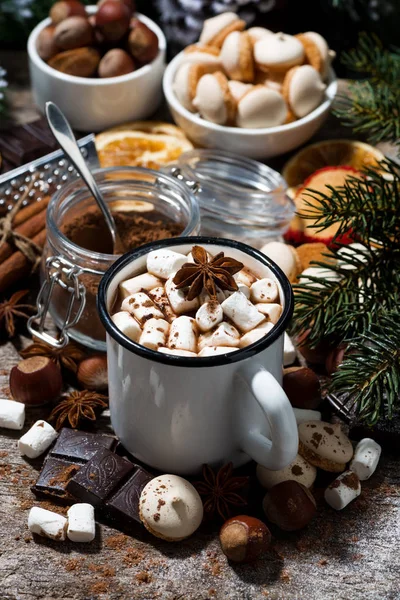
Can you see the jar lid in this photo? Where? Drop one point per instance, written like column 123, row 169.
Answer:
column 235, row 188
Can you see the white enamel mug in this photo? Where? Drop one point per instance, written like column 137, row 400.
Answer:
column 177, row 413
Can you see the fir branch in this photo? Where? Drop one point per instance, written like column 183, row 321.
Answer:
column 373, row 60
column 369, row 376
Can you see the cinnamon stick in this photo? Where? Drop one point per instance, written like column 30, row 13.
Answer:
column 29, row 229
column 30, row 211
column 17, row 265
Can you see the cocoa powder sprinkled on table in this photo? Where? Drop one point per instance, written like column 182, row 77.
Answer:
column 116, row 542
column 101, row 587
column 133, row 557
column 143, row 577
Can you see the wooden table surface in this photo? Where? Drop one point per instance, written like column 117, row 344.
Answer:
column 350, row 555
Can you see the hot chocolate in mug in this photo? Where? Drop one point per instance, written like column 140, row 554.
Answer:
column 176, row 413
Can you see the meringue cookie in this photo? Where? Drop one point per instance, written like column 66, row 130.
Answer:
column 261, row 107
column 238, row 89
column 217, row 28
column 299, row 470
column 278, row 52
column 213, row 99
column 285, row 257
column 303, row 89
column 257, row 33
column 317, row 51
column 204, row 55
column 170, row 508
column 325, row 445
column 185, row 82
column 237, row 56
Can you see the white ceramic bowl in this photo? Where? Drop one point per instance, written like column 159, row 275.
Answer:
column 96, row 104
column 253, row 143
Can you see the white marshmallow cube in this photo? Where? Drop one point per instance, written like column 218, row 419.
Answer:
column 205, row 297
column 164, row 262
column 264, row 290
column 127, row 325
column 366, row 458
column 142, row 307
column 242, row 312
column 47, row 523
column 177, row 299
column 245, row 276
column 224, row 335
column 289, row 352
column 343, row 490
column 12, row 414
column 160, row 299
column 183, row 334
column 209, row 315
column 81, row 523
column 255, row 334
column 304, row 414
column 154, row 334
column 146, row 282
column 271, row 311
column 241, row 288
column 35, row 441
column 177, row 352
column 215, row 350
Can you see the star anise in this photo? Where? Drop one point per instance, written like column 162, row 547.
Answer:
column 69, row 356
column 11, row 309
column 219, row 491
column 78, row 406
column 207, row 274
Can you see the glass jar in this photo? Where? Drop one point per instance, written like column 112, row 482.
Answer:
column 71, row 274
column 239, row 198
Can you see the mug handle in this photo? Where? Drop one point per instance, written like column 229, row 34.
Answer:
column 279, row 451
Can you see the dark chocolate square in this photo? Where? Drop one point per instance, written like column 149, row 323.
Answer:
column 95, row 481
column 123, row 506
column 81, row 445
column 54, row 477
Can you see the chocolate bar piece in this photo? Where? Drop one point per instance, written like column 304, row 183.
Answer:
column 71, row 451
column 25, row 143
column 113, row 484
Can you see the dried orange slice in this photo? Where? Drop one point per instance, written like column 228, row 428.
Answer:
column 301, row 229
column 329, row 153
column 150, row 144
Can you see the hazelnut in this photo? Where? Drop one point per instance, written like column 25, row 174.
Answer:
column 92, row 373
column 244, row 538
column 316, row 355
column 289, row 505
column 128, row 3
column 74, row 32
column 142, row 42
column 81, row 62
column 116, row 62
column 334, row 358
column 66, row 8
column 46, row 46
column 112, row 19
column 301, row 385
column 35, row 381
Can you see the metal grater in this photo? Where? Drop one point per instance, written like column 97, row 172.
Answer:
column 54, row 170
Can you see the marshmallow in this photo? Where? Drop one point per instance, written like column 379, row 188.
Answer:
column 285, row 257
column 289, row 352
column 303, row 89
column 176, row 352
column 47, row 523
column 170, row 507
column 205, row 297
column 261, row 107
column 154, row 334
column 255, row 334
column 163, row 263
column 343, row 490
column 366, row 458
column 127, row 325
column 304, row 414
column 271, row 311
column 224, row 335
column 160, row 299
column 12, row 414
column 177, row 299
column 241, row 288
column 35, row 441
column 146, row 282
column 278, row 52
column 245, row 276
column 215, row 350
column 183, row 334
column 81, row 523
column 264, row 290
column 209, row 315
column 217, row 28
column 299, row 470
column 242, row 312
column 320, row 273
column 141, row 307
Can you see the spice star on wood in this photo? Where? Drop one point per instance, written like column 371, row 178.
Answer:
column 78, row 406
column 11, row 309
column 219, row 491
column 69, row 356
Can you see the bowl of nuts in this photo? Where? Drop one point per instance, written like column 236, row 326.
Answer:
column 102, row 65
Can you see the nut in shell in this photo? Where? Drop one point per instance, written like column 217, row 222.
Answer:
column 66, row 8
column 92, row 373
column 112, row 19
column 289, row 505
column 80, row 62
column 142, row 42
column 74, row 32
column 302, row 387
column 244, row 538
column 46, row 46
column 116, row 62
column 36, row 380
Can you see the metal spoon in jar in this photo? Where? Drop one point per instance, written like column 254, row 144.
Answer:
column 62, row 131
